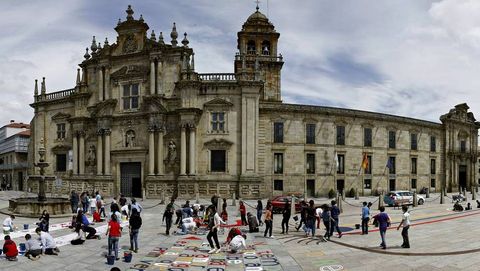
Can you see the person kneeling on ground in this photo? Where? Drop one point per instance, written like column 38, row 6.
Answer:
column 33, row 248
column 85, row 226
column 232, row 233
column 188, row 226
column 252, row 223
column 457, row 206
column 10, row 249
column 48, row 243
column 237, row 243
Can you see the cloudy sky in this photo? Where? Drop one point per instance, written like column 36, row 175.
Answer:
column 415, row 58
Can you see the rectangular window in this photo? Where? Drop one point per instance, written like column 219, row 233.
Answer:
column 310, row 163
column 278, row 132
column 367, row 137
column 414, row 183
column 413, row 142
column 368, row 169
column 433, row 166
column 310, row 133
column 61, row 162
column 463, row 146
column 341, row 164
column 432, row 183
column 391, row 165
column 433, row 144
column 61, row 131
column 218, row 160
column 340, row 135
column 218, row 121
column 130, row 96
column 367, row 184
column 278, row 163
column 391, row 139
column 414, row 165
column 278, row 185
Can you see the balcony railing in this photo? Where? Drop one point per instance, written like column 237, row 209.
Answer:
column 259, row 57
column 217, row 77
column 55, row 95
column 13, row 166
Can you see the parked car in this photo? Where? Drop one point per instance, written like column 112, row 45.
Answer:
column 397, row 198
column 278, row 203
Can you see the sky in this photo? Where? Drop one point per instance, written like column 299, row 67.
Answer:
column 414, row 58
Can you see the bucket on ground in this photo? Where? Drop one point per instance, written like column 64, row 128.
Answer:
column 6, row 230
column 25, row 226
column 110, row 259
column 127, row 255
column 357, row 226
column 22, row 247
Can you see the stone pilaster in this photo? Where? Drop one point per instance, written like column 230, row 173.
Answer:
column 151, row 151
column 107, row 152
column 81, row 156
column 75, row 153
column 183, row 151
column 192, row 153
column 160, row 166
column 152, row 77
column 100, row 152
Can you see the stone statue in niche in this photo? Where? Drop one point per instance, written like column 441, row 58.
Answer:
column 91, row 157
column 172, row 152
column 130, row 139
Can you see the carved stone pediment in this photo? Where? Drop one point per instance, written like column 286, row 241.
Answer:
column 103, row 109
column 127, row 72
column 153, row 105
column 218, row 103
column 218, row 144
column 60, row 116
column 60, row 148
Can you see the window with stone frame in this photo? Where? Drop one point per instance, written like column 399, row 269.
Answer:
column 414, row 165
column 368, row 169
column 414, row 183
column 61, row 162
column 278, row 163
column 278, row 132
column 432, row 183
column 61, row 131
column 217, row 122
column 218, row 161
column 391, row 165
column 433, row 144
column 367, row 184
column 340, row 135
column 310, row 163
column 130, row 97
column 391, row 139
column 367, row 137
column 413, row 142
column 278, row 185
column 463, row 146
column 310, row 133
column 341, row 164
column 433, row 166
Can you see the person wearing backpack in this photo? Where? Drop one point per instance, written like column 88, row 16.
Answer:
column 135, row 223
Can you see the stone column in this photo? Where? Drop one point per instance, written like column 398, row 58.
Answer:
column 192, row 154
column 183, row 152
column 100, row 85
column 81, row 156
column 107, row 152
column 152, row 77
column 160, row 166
column 99, row 152
column 75, row 153
column 151, row 151
column 107, row 85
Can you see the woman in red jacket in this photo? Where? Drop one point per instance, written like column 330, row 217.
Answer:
column 10, row 249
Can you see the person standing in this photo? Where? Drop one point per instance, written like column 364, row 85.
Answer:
column 406, row 225
column 74, row 201
column 243, row 213
column 286, row 217
column 318, row 211
column 167, row 216
column 268, row 222
column 383, row 222
column 335, row 212
column 136, row 205
column 259, row 211
column 214, row 222
column 302, row 214
column 311, row 217
column 93, row 205
column 98, row 199
column 135, row 223
column 365, row 218
column 114, row 232
column 327, row 220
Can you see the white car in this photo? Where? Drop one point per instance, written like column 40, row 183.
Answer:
column 397, row 198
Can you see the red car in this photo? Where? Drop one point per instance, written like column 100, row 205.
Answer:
column 278, row 203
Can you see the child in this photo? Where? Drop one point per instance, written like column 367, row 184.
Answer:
column 96, row 217
column 10, row 249
column 33, row 248
column 224, row 214
column 243, row 213
column 102, row 207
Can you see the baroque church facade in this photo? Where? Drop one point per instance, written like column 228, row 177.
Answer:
column 141, row 121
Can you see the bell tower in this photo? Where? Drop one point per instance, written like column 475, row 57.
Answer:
column 257, row 57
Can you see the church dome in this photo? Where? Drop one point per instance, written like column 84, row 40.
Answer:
column 257, row 15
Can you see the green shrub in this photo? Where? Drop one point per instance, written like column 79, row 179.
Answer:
column 331, row 194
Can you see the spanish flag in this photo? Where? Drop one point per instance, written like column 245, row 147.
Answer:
column 365, row 161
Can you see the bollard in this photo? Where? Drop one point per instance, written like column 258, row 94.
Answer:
column 415, row 200
column 442, row 200
column 428, row 193
column 356, row 194
column 162, row 201
column 474, row 193
column 234, row 200
column 380, row 200
column 343, row 194
column 339, row 204
column 293, row 210
column 219, row 206
column 197, row 197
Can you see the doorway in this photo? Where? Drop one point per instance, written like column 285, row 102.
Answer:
column 131, row 179
column 462, row 177
column 311, row 188
column 340, row 186
column 20, row 181
column 391, row 184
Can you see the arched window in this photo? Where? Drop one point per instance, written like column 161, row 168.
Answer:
column 266, row 48
column 251, row 50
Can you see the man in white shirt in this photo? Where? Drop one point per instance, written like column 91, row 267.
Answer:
column 188, row 226
column 49, row 246
column 237, row 243
column 406, row 225
column 8, row 222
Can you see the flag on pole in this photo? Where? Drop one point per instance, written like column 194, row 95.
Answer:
column 365, row 161
column 337, row 163
column 389, row 164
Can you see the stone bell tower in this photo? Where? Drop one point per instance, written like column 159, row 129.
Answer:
column 257, row 58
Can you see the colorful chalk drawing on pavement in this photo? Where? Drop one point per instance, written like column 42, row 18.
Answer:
column 191, row 253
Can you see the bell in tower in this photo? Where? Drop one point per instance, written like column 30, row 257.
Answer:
column 257, row 57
